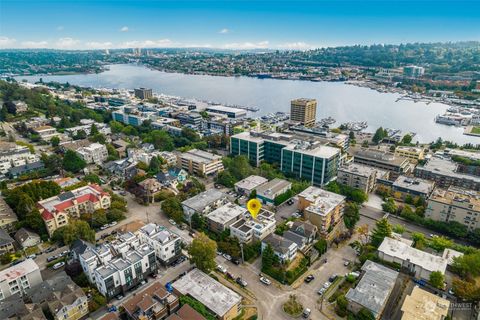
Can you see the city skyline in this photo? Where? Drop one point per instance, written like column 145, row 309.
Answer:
column 234, row 24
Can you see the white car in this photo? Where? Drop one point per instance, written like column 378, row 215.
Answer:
column 113, row 223
column 32, row 256
column 227, row 256
column 321, row 291
column 326, row 285
column 221, row 268
column 58, row 265
column 172, row 222
column 265, row 281
column 105, row 226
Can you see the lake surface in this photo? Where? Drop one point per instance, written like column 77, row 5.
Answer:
column 341, row 101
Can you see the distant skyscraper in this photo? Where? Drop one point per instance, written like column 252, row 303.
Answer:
column 304, row 111
column 143, row 93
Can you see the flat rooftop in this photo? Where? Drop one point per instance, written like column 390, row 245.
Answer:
column 414, row 184
column 373, row 289
column 358, row 169
column 226, row 109
column 211, row 293
column 272, row 187
column 447, row 168
column 457, row 196
column 377, row 156
column 423, row 305
column 19, row 270
column 226, row 213
column 403, row 251
column 204, row 199
column 251, row 182
column 322, row 201
column 200, row 156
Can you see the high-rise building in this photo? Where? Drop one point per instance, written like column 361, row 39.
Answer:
column 143, row 93
column 304, row 111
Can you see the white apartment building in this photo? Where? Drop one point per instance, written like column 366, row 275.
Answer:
column 167, row 245
column 12, row 155
column 95, row 153
column 18, row 278
column 248, row 229
column 46, row 132
column 117, row 267
column 203, row 203
column 102, row 128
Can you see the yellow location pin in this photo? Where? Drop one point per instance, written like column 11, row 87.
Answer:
column 254, row 206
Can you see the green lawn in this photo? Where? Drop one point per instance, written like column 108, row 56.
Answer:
column 475, row 130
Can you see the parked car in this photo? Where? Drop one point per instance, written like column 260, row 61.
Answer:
column 123, row 193
column 32, row 256
column 105, row 226
column 113, row 223
column 50, row 259
column 309, row 278
column 235, row 261
column 321, row 291
column 327, row 285
column 221, row 268
column 306, row 313
column 265, row 281
column 227, row 256
column 172, row 222
column 230, row 275
column 346, row 263
column 143, row 282
column 119, row 297
column 58, row 265
column 16, row 262
column 332, row 278
column 451, row 292
column 50, row 249
column 241, row 282
column 290, row 202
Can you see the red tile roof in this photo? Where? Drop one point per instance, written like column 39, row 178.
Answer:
column 46, row 215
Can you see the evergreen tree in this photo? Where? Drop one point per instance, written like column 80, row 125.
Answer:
column 382, row 229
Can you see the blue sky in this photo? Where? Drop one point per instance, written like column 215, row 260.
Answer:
column 232, row 24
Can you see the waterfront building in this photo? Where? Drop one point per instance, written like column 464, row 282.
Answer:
column 217, row 298
column 323, row 209
column 19, row 278
column 413, row 71
column 200, row 162
column 303, row 111
column 143, row 93
column 57, row 210
column 455, row 204
column 227, row 111
column 306, row 158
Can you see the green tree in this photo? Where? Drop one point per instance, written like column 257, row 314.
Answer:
column 116, row 126
column 55, row 141
column 398, row 228
column 92, row 178
column 72, row 162
column 202, row 252
column 419, row 240
column 53, row 163
column 436, row 279
column 407, row 139
column 94, row 130
column 226, row 179
column 160, row 139
column 115, row 215
column 172, row 207
column 99, row 218
column 199, row 222
column 5, row 258
column 365, row 314
column 351, row 215
column 382, row 229
column 155, row 165
column 253, row 194
column 389, row 206
column 341, row 306
column 379, row 135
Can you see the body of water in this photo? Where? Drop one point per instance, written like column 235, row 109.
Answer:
column 341, row 101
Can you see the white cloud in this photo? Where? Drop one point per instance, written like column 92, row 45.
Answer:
column 6, row 42
column 295, row 46
column 224, row 31
column 124, row 29
column 161, row 43
column 246, row 45
column 99, row 45
column 34, row 44
column 67, row 43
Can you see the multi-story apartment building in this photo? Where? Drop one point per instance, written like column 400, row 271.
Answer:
column 193, row 119
column 305, row 158
column 413, row 71
column 46, row 132
column 12, row 155
column 203, row 203
column 57, row 210
column 143, row 93
column 323, row 209
column 167, row 245
column 359, row 176
column 134, row 119
column 19, row 278
column 455, row 204
column 405, row 186
column 412, row 153
column 117, row 267
column 222, row 218
column 101, row 127
column 248, row 229
column 95, row 153
column 304, row 111
column 200, row 162
column 446, row 173
column 268, row 191
column 381, row 159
